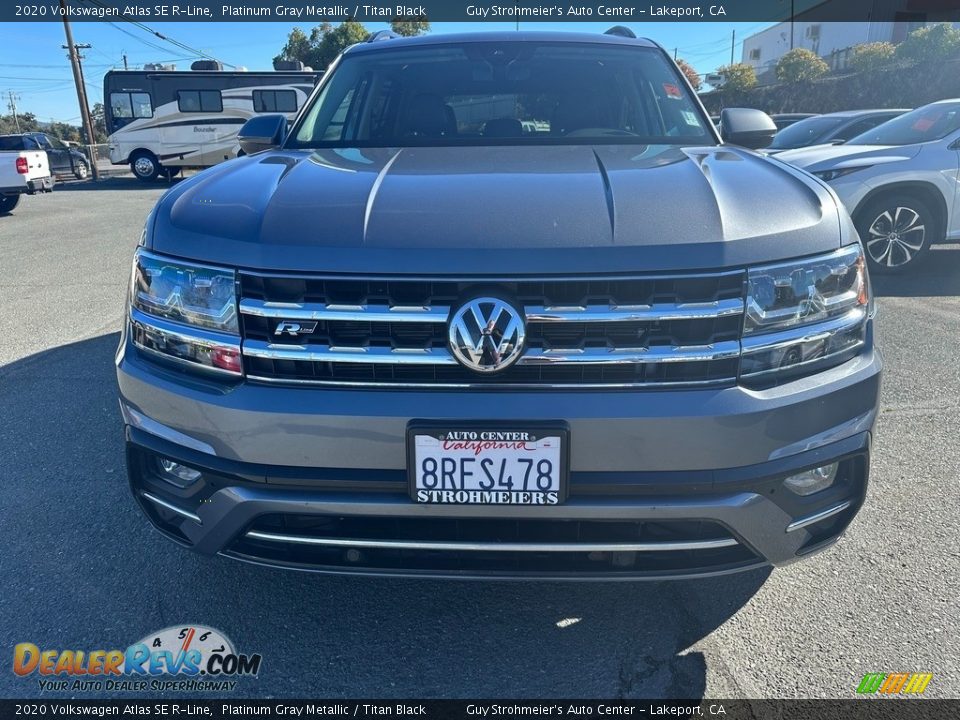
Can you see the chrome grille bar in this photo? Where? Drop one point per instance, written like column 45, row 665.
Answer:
column 326, row 353
column 486, row 546
column 533, row 356
column 639, row 313
column 533, row 313
column 344, row 313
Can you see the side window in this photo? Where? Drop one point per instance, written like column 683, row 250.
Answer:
column 859, row 127
column 199, row 101
column 280, row 101
column 120, row 105
column 142, row 105
column 126, row 107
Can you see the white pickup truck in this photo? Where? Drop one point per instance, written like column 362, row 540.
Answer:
column 22, row 172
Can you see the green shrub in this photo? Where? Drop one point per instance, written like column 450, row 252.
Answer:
column 800, row 65
column 739, row 77
column 872, row 56
column 930, row 43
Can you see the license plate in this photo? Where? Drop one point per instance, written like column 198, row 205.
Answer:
column 488, row 465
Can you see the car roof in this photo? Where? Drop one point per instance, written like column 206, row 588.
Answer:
column 503, row 36
column 859, row 113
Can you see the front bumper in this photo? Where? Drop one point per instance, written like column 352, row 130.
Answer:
column 675, row 483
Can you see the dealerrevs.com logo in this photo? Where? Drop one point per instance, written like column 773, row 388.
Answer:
column 184, row 657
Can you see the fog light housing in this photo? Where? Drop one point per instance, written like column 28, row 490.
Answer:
column 813, row 480
column 177, row 474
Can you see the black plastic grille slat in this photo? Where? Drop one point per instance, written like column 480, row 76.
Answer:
column 631, row 291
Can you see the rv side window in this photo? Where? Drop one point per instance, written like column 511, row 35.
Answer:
column 282, row 101
column 199, row 101
column 142, row 105
column 125, row 106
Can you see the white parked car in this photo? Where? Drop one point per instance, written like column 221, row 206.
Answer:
column 899, row 181
column 24, row 170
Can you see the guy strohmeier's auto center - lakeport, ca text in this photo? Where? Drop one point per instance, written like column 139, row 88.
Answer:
column 281, row 10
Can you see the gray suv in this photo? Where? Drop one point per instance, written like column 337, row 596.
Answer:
column 501, row 305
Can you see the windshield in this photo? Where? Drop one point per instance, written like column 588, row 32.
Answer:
column 503, row 93
column 931, row 122
column 804, row 133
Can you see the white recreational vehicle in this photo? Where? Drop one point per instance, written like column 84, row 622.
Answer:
column 162, row 121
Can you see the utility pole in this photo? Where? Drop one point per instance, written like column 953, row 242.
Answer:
column 125, row 62
column 13, row 108
column 81, row 88
column 791, row 23
column 733, row 45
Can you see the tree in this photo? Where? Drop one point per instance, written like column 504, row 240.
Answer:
column 801, row 65
column 98, row 118
column 872, row 56
column 930, row 43
column 324, row 44
column 410, row 26
column 297, row 48
column 692, row 75
column 65, row 132
column 27, row 122
column 738, row 77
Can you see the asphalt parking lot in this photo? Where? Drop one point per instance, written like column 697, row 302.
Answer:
column 81, row 568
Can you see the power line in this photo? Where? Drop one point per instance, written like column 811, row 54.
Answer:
column 139, row 39
column 172, row 41
column 14, row 77
column 45, row 67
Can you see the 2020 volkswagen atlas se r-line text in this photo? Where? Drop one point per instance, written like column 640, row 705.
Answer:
column 501, row 305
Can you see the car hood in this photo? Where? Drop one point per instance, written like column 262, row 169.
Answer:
column 826, row 157
column 496, row 210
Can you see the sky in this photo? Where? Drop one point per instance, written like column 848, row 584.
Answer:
column 35, row 67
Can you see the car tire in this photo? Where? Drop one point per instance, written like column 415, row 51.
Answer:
column 81, row 170
column 8, row 203
column 897, row 231
column 145, row 166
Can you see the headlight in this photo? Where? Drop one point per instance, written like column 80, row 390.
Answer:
column 191, row 294
column 805, row 316
column 185, row 311
column 828, row 175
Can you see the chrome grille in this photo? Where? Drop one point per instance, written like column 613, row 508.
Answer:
column 599, row 332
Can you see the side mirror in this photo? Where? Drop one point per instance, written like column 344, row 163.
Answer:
column 263, row 132
column 748, row 128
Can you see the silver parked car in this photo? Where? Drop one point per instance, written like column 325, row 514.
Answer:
column 830, row 129
column 501, row 305
column 899, row 181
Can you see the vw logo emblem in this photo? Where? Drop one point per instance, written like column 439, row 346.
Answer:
column 487, row 334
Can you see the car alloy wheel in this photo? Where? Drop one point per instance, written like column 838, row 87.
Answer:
column 896, row 237
column 144, row 166
column 81, row 171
